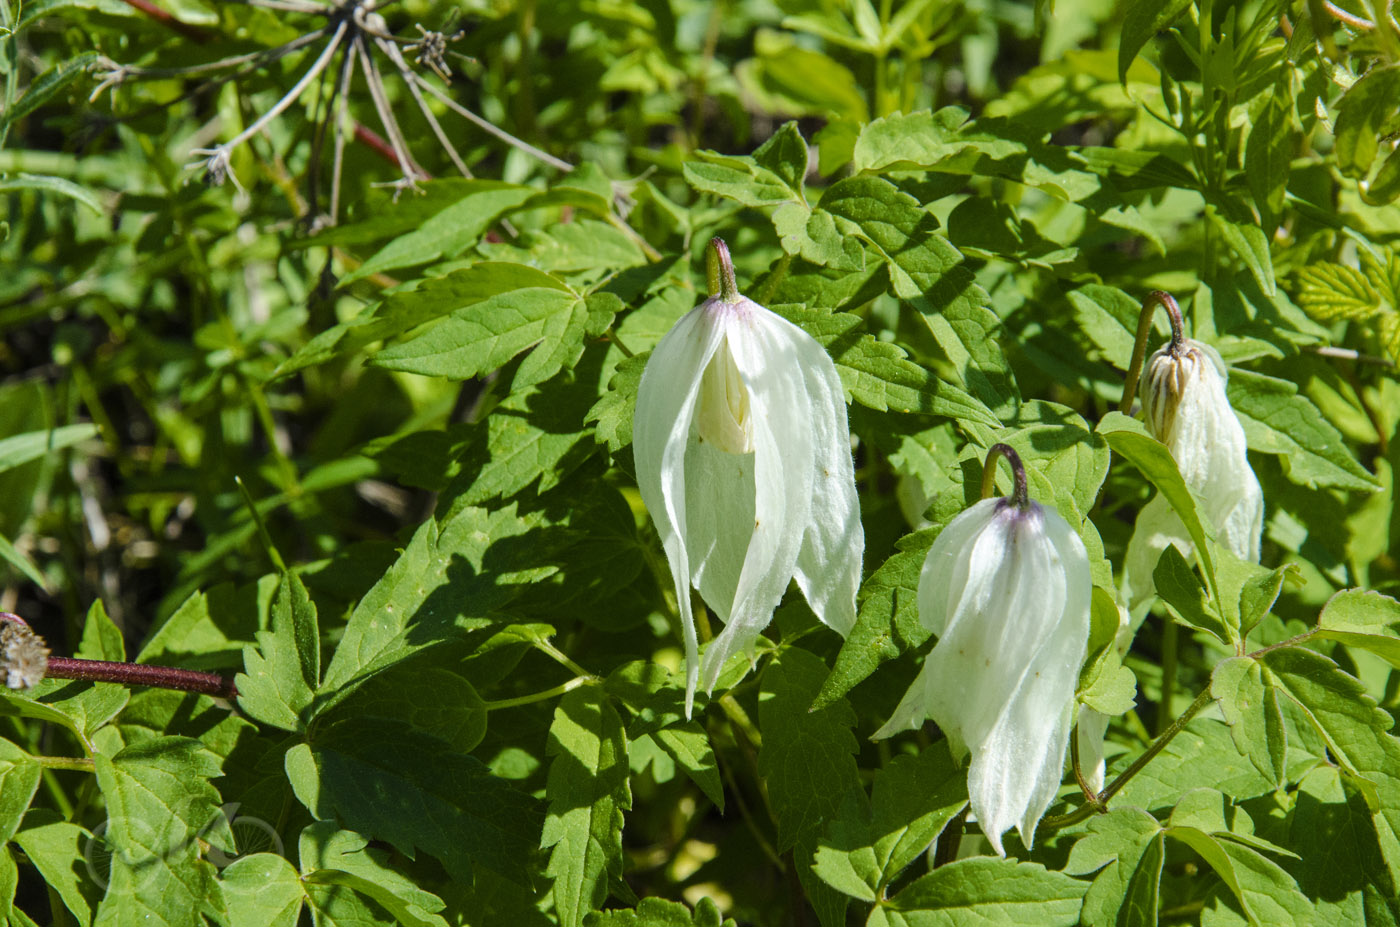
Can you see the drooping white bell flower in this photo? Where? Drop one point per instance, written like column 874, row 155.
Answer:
column 1183, row 396
column 743, row 459
column 1006, row 588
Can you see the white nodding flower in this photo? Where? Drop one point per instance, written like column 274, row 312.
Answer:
column 744, row 462
column 1184, row 401
column 1006, row 588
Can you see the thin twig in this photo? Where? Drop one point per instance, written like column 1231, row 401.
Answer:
column 386, row 113
column 392, row 52
column 483, row 124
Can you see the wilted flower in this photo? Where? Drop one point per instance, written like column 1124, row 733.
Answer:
column 1183, row 396
column 744, row 462
column 1006, row 588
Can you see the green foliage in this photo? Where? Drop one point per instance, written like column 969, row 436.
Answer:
column 323, row 332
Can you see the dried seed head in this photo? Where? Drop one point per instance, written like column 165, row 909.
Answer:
column 23, row 655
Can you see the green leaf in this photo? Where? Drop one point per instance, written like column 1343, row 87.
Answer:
column 101, row 640
column 1354, row 730
column 1178, row 586
column 1268, row 894
column 1269, row 154
column 657, row 912
column 440, row 578
column 53, row 847
column 958, row 314
column 879, row 374
column 11, row 555
column 1364, row 619
column 742, row 179
column 1277, row 419
column 1128, row 437
column 1362, row 115
column 1203, row 752
column 1336, row 291
column 1125, row 847
column 281, row 674
column 1345, row 874
column 332, row 856
column 689, row 745
column 19, row 780
column 588, row 792
column 1385, row 186
column 1142, row 20
column 887, row 622
column 1249, row 704
column 46, row 86
column 424, row 692
column 549, row 322
column 613, row 413
column 1109, row 317
column 411, row 789
column 1250, row 245
column 17, row 450
column 56, row 185
column 1106, row 685
column 808, row 762
column 901, row 231
column 450, row 231
column 261, row 890
column 159, row 803
column 985, row 890
column 872, row 841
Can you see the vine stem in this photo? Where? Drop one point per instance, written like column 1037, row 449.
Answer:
column 541, row 696
column 1154, row 299
column 1083, row 812
column 1020, row 495
column 141, row 674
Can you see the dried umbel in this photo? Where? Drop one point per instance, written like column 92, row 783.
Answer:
column 1006, row 588
column 744, row 462
column 23, row 654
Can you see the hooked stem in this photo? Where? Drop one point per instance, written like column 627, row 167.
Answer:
column 1154, row 299
column 719, row 272
column 1020, row 495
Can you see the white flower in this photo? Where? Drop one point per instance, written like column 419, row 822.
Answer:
column 1183, row 396
column 1006, row 588
column 744, row 462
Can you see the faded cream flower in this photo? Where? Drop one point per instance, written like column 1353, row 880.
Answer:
column 743, row 459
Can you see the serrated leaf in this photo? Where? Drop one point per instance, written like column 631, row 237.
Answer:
column 1125, row 848
column 281, row 674
column 1344, row 873
column 903, row 234
column 1203, row 752
column 1364, row 619
column 879, row 374
column 657, row 912
column 872, row 841
column 262, row 890
column 1249, row 704
column 332, row 856
column 550, row 323
column 887, row 620
column 1268, row 894
column 101, row 640
column 448, row 232
column 1109, row 317
column 1250, row 245
column 588, row 792
column 808, row 762
column 53, row 846
column 958, row 314
column 159, row 802
column 1269, row 154
column 1178, row 586
column 613, row 412
column 1277, row 419
column 741, row 179
column 1107, row 686
column 424, row 692
column 1336, row 291
column 985, row 890
column 1152, row 459
column 689, row 746
column 421, row 598
column 396, row 784
column 19, row 780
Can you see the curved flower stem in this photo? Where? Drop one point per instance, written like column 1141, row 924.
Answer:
column 1056, row 822
column 1154, row 299
column 1020, row 495
column 559, row 656
column 141, row 674
column 1090, row 795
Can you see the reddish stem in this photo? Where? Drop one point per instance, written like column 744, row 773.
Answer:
column 193, row 33
column 141, row 674
column 372, row 139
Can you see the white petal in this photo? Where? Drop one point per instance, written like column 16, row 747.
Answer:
column 912, row 710
column 1089, row 732
column 666, row 399
column 833, row 547
column 767, row 358
column 944, row 573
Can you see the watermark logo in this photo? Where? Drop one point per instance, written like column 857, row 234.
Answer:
column 140, row 848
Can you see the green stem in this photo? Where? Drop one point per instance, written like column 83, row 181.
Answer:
column 77, row 763
column 1170, row 640
column 1144, row 330
column 492, row 705
column 558, row 655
